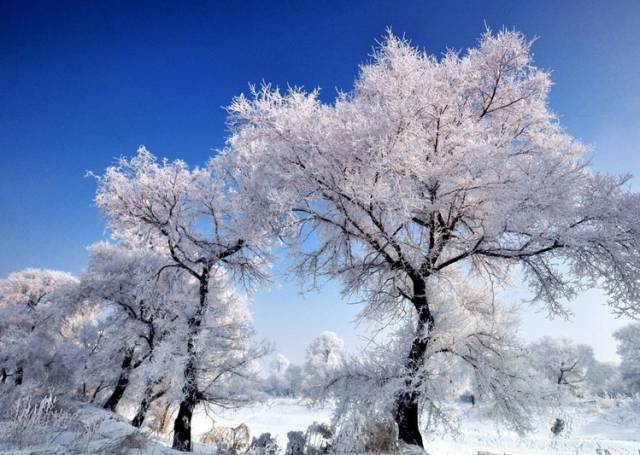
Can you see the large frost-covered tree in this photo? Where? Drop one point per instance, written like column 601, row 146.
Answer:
column 189, row 215
column 430, row 165
column 31, row 320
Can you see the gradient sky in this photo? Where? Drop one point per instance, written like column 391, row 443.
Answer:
column 84, row 82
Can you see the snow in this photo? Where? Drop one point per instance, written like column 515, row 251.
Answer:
column 613, row 425
column 277, row 417
column 591, row 426
column 594, row 427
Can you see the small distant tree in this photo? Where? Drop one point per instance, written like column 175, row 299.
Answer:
column 431, row 165
column 628, row 339
column 191, row 217
column 570, row 366
column 324, row 356
column 284, row 379
column 31, row 319
column 561, row 360
column 600, row 377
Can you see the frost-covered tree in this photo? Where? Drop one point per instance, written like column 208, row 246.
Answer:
column 324, row 355
column 191, row 217
column 284, row 379
column 600, row 376
column 31, row 325
column 138, row 308
column 628, row 339
column 561, row 361
column 571, row 366
column 432, row 164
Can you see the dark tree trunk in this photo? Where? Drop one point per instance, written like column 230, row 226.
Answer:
column 18, row 376
column 3, row 376
column 149, row 397
column 123, row 382
column 96, row 392
column 407, row 418
column 182, row 424
column 407, row 413
column 138, row 420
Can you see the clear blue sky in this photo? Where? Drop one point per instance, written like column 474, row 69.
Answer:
column 83, row 82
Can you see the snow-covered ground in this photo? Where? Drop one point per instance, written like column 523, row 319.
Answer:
column 277, row 417
column 591, row 426
column 605, row 427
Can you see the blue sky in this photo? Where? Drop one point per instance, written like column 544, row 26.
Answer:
column 84, row 82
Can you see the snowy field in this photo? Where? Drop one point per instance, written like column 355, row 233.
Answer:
column 593, row 428
column 605, row 427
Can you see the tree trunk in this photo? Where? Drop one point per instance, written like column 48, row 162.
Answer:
column 407, row 413
column 138, row 419
column 407, row 418
column 18, row 376
column 182, row 424
column 149, row 397
column 123, row 382
column 95, row 393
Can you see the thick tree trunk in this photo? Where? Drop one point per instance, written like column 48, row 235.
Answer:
column 182, row 424
column 123, row 382
column 407, row 418
column 407, row 413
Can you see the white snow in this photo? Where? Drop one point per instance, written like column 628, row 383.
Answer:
column 596, row 427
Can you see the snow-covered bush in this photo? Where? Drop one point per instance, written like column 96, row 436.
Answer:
column 319, row 439
column 264, row 444
column 358, row 433
column 228, row 440
column 295, row 443
column 32, row 422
